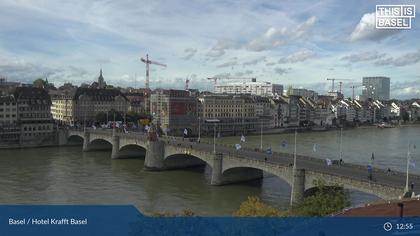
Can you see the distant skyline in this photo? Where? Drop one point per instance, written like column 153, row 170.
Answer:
column 298, row 43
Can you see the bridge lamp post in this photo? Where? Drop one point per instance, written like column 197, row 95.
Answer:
column 199, row 128
column 294, row 152
column 341, row 143
column 214, row 121
column 261, row 139
column 408, row 163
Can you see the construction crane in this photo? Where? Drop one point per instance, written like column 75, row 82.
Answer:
column 332, row 83
column 149, row 62
column 186, row 83
column 355, row 86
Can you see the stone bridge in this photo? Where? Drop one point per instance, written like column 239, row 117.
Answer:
column 231, row 166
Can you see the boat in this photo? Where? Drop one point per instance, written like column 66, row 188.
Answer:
column 385, row 125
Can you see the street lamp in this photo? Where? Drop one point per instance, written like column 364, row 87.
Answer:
column 261, row 139
column 199, row 128
column 214, row 121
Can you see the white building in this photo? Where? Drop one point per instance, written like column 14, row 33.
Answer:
column 254, row 88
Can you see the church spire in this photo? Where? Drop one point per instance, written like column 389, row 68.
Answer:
column 101, row 81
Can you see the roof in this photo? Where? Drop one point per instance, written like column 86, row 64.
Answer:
column 391, row 208
column 98, row 94
column 31, row 93
column 8, row 98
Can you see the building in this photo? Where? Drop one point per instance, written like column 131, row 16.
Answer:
column 83, row 104
column 9, row 128
column 88, row 102
column 34, row 114
column 253, row 87
column 139, row 102
column 7, row 87
column 376, row 88
column 236, row 114
column 303, row 93
column 62, row 106
column 174, row 111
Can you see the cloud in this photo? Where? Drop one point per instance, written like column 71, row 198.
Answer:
column 281, row 71
column 218, row 50
column 404, row 60
column 233, row 62
column 254, row 61
column 363, row 56
column 27, row 72
column 244, row 73
column 274, row 37
column 406, row 89
column 298, row 56
column 189, row 52
column 366, row 30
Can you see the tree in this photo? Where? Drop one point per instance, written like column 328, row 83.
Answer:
column 39, row 83
column 101, row 117
column 253, row 206
column 326, row 200
column 405, row 116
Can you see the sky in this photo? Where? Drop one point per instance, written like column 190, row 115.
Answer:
column 294, row 43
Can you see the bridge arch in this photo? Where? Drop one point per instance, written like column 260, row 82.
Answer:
column 99, row 144
column 75, row 139
column 132, row 150
column 180, row 160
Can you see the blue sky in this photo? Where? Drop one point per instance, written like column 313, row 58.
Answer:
column 298, row 43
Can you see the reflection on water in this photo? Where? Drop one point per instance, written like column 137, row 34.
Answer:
column 67, row 175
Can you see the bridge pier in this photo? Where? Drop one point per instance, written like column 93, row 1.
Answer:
column 115, row 147
column 154, row 156
column 298, row 187
column 216, row 172
column 86, row 136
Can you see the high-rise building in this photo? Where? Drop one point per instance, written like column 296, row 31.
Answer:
column 377, row 88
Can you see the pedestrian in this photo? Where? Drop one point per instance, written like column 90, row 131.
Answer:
column 389, row 171
column 369, row 169
column 265, row 158
column 341, row 161
column 412, row 186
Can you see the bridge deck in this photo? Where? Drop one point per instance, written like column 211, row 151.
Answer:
column 347, row 170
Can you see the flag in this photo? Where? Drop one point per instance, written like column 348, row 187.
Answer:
column 314, row 147
column 237, row 146
column 284, row 144
column 369, row 168
column 329, row 162
column 411, row 163
column 268, row 151
column 185, row 131
column 243, row 138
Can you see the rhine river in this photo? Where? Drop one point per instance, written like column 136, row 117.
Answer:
column 66, row 175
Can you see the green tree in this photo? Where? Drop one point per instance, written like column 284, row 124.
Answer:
column 101, row 117
column 326, row 200
column 253, row 206
column 39, row 83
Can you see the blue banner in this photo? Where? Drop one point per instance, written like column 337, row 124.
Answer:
column 127, row 220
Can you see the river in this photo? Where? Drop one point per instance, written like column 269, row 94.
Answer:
column 66, row 175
